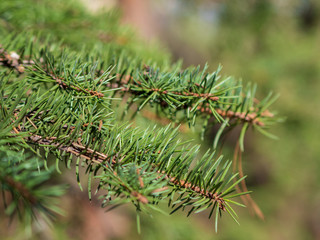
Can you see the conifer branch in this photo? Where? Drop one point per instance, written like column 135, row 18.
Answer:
column 64, row 106
column 136, row 88
column 78, row 150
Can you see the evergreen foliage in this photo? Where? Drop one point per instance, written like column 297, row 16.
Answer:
column 61, row 103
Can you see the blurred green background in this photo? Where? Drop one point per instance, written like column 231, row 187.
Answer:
column 275, row 44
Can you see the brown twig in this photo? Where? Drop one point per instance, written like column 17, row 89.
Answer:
column 213, row 196
column 247, row 200
column 76, row 149
column 246, row 117
column 63, row 85
column 11, row 60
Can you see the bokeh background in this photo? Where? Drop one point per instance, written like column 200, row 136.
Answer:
column 274, row 43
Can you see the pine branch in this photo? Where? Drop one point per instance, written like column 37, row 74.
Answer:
column 158, row 152
column 63, row 104
column 78, row 150
column 193, row 100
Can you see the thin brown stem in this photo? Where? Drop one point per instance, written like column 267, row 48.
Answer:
column 247, row 200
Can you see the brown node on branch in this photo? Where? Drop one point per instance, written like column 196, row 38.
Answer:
column 11, row 60
column 140, row 179
column 160, row 189
column 140, row 197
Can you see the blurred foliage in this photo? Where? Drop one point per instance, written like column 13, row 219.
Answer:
column 69, row 22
